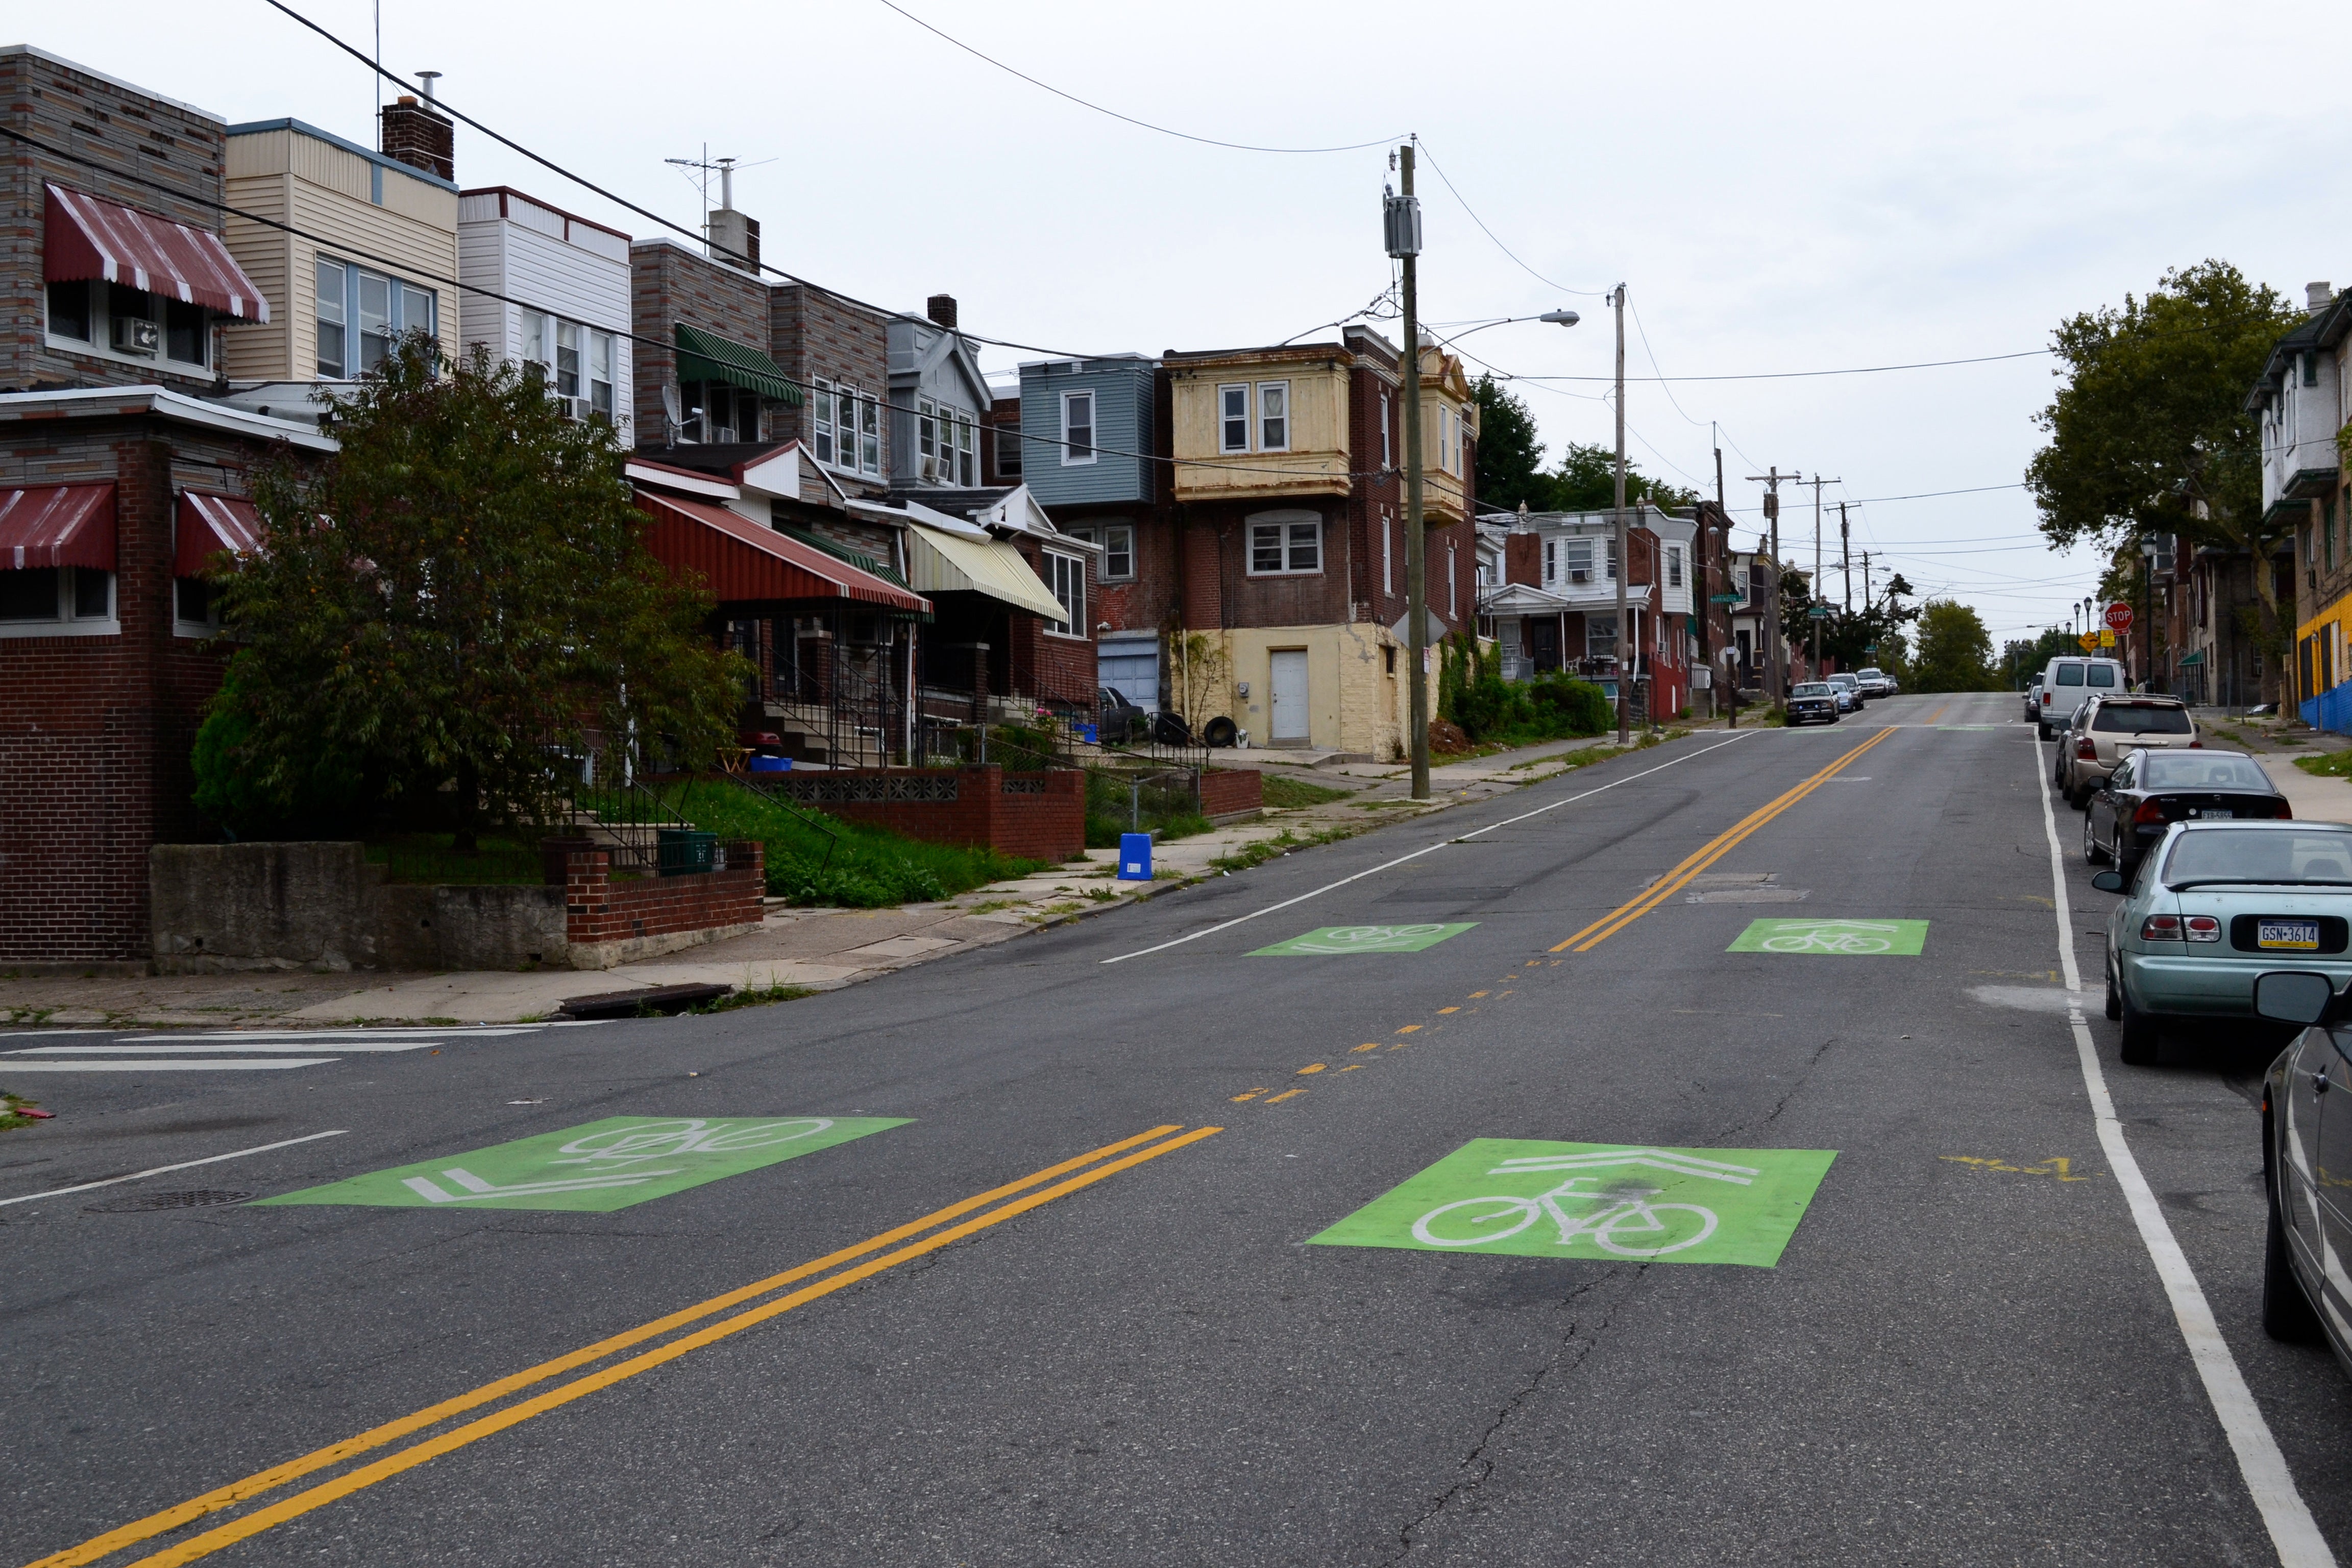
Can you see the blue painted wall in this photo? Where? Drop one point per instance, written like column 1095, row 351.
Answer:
column 1123, row 422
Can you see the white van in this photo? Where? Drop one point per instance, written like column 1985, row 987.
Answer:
column 2068, row 683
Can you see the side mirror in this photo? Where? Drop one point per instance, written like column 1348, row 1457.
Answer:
column 2293, row 995
column 2108, row 881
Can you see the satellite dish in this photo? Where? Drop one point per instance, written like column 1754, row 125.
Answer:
column 669, row 403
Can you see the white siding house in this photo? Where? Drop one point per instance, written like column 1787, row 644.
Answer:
column 566, row 286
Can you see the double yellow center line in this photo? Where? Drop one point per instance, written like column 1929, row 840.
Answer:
column 1706, row 855
column 1030, row 1192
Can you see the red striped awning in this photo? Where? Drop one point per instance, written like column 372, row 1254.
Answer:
column 88, row 238
column 740, row 560
column 57, row 525
column 208, row 523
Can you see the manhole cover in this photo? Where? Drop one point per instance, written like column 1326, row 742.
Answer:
column 146, row 1201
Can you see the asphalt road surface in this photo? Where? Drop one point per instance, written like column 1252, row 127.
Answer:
column 1038, row 1283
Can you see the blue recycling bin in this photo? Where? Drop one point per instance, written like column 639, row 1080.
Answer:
column 1135, row 857
column 771, row 765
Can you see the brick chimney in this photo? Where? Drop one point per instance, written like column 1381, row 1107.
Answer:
column 940, row 308
column 418, row 137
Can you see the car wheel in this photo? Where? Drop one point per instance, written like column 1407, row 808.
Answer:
column 2093, row 853
column 2114, row 994
column 2287, row 1306
column 2043, row 729
column 2139, row 1041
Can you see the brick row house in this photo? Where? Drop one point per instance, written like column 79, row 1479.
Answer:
column 1555, row 609
column 120, row 475
column 2302, row 400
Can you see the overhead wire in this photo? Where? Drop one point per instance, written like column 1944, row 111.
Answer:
column 1436, row 169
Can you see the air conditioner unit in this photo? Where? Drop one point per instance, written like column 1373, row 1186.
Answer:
column 933, row 471
column 578, row 408
column 1582, row 575
column 722, row 434
column 137, row 335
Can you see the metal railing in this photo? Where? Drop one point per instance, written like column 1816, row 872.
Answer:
column 760, row 786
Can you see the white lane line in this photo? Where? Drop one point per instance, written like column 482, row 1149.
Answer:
column 16, row 1064
column 2271, row 1484
column 1391, row 865
column 335, row 1036
column 142, row 1048
column 182, row 1165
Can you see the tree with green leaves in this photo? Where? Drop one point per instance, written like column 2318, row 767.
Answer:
column 1509, row 452
column 1955, row 650
column 1586, row 481
column 2022, row 659
column 448, row 614
column 2150, row 435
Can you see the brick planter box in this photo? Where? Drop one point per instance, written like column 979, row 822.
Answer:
column 608, row 922
column 1228, row 792
column 1038, row 816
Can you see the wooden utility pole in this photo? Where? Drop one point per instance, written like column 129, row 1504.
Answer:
column 1778, row 662
column 1846, row 561
column 1813, row 589
column 1624, row 555
column 1405, row 244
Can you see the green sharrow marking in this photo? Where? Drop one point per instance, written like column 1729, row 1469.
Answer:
column 1596, row 1200
column 598, row 1167
column 1361, row 939
column 1840, row 938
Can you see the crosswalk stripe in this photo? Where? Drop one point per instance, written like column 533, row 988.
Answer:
column 16, row 1064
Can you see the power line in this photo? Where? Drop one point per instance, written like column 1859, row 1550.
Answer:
column 1588, row 293
column 1797, row 374
column 1114, row 114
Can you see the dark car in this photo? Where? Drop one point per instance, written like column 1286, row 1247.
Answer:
column 1812, row 703
column 1117, row 719
column 2306, row 1133
column 2151, row 790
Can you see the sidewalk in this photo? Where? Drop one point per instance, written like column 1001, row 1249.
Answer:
column 816, row 949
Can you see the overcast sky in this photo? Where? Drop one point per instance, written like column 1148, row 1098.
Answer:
column 1782, row 188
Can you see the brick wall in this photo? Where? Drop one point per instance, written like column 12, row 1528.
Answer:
column 1227, row 790
column 125, row 132
column 669, row 284
column 1046, row 665
column 608, row 922
column 1038, row 816
column 816, row 335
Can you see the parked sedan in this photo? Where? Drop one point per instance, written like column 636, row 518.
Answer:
column 1875, row 683
column 1849, row 690
column 2212, row 905
column 2306, row 1135
column 2106, row 727
column 2033, row 700
column 1812, row 703
column 2151, row 790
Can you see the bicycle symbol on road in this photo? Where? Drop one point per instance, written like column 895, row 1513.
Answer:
column 1833, row 936
column 616, row 1156
column 1621, row 1211
column 1333, row 940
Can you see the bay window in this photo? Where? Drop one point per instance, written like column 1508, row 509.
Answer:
column 351, row 297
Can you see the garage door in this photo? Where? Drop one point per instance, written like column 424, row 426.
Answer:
column 1130, row 666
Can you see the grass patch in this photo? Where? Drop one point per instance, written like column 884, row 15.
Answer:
column 1285, row 792
column 752, row 997
column 13, row 1110
column 1259, row 851
column 991, row 906
column 2328, row 765
column 871, row 868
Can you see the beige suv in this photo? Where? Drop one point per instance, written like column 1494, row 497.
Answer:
column 2108, row 727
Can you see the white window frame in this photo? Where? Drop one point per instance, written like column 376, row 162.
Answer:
column 1388, row 553
column 1286, row 541
column 1065, row 579
column 1225, row 417
column 398, row 291
column 821, row 438
column 1674, row 565
column 1281, row 391
column 1598, row 648
column 1093, row 412
column 603, row 372
column 99, row 309
column 1114, row 533
column 1386, row 459
column 65, row 623
column 1453, row 587
column 1576, row 555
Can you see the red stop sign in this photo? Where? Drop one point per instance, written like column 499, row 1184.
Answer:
column 2119, row 616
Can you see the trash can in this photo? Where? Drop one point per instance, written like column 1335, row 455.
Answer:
column 771, row 765
column 682, row 851
column 1135, row 857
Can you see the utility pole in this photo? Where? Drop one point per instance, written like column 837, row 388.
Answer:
column 1813, row 589
column 1404, row 236
column 1866, row 600
column 1624, row 555
column 1779, row 650
column 1715, row 432
column 1846, row 561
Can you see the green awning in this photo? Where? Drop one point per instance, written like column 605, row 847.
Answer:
column 2186, row 659
column 706, row 356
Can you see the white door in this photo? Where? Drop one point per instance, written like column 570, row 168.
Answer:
column 1288, row 725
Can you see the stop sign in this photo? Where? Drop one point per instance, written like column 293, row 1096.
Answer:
column 2119, row 616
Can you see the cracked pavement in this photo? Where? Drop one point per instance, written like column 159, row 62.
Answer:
column 1962, row 1352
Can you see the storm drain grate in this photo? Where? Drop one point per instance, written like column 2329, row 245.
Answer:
column 147, row 1203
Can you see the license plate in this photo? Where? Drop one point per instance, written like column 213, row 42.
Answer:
column 2298, row 936
column 2214, row 811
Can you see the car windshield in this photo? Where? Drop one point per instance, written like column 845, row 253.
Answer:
column 2205, row 857
column 1872, row 674
column 1812, row 689
column 1842, row 680
column 2187, row 770
column 2141, row 719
